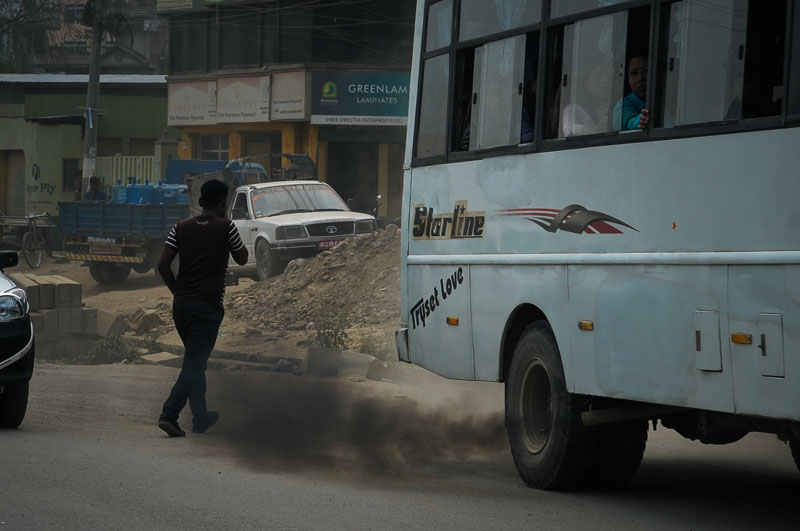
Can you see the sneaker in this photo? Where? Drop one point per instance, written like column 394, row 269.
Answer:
column 171, row 428
column 201, row 426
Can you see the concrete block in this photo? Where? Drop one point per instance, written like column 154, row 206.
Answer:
column 30, row 286
column 74, row 291
column 63, row 320
column 50, row 318
column 47, row 292
column 323, row 361
column 77, row 348
column 89, row 320
column 61, row 290
column 75, row 320
column 37, row 319
column 163, row 358
column 110, row 323
column 50, row 349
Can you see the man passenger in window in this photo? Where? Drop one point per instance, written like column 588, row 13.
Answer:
column 630, row 111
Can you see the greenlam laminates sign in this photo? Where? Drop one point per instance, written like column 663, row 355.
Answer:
column 359, row 98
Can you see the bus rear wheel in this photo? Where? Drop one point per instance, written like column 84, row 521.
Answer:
column 550, row 446
column 795, row 446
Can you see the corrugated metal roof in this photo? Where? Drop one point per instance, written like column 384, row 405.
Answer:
column 76, row 79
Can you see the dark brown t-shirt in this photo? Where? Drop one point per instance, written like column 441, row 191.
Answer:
column 204, row 244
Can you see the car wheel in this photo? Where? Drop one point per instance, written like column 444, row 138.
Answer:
column 550, row 446
column 266, row 263
column 13, row 404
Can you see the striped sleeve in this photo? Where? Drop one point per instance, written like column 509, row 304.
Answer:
column 234, row 241
column 172, row 239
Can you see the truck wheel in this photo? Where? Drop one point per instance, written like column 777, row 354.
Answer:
column 795, row 446
column 115, row 274
column 13, row 404
column 619, row 453
column 97, row 272
column 266, row 263
column 550, row 446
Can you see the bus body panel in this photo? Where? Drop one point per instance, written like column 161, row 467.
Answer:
column 765, row 300
column 497, row 291
column 657, row 334
column 658, row 226
column 436, row 293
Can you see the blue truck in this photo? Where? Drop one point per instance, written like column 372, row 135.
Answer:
column 115, row 238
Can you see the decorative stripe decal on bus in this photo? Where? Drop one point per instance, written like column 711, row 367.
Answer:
column 573, row 218
column 99, row 258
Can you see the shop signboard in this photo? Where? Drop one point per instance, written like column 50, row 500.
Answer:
column 359, row 98
column 192, row 103
column 288, row 99
column 243, row 99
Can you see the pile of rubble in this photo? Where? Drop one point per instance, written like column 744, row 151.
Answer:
column 360, row 278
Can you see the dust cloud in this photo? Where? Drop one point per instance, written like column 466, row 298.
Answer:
column 298, row 423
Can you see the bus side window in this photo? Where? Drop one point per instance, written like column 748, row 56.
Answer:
column 794, row 69
column 591, row 64
column 747, row 83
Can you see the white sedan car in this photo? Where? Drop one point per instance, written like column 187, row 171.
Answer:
column 283, row 220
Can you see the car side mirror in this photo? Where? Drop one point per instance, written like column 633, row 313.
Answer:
column 351, row 203
column 239, row 213
column 8, row 259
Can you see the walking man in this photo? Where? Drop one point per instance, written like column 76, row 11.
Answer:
column 203, row 244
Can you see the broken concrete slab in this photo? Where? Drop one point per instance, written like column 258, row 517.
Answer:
column 163, row 358
column 146, row 320
column 110, row 323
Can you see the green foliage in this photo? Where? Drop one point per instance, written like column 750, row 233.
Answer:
column 331, row 324
column 112, row 349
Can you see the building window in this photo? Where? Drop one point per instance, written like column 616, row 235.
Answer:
column 211, row 147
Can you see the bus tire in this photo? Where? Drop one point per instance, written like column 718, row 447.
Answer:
column 619, row 453
column 795, row 447
column 13, row 404
column 550, row 446
column 266, row 263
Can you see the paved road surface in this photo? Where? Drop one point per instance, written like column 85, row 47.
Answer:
column 297, row 453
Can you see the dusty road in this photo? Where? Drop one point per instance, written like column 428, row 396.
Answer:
column 301, row 453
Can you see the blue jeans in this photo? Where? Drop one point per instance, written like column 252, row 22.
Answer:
column 197, row 323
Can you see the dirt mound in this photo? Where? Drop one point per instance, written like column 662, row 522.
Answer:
column 360, row 278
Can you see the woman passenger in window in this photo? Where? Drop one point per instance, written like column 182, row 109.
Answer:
column 630, row 111
column 590, row 114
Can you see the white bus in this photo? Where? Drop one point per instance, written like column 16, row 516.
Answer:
column 601, row 209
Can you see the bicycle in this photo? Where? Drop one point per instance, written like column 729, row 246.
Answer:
column 33, row 242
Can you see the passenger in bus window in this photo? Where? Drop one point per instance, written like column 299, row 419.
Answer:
column 528, row 106
column 630, row 111
column 591, row 114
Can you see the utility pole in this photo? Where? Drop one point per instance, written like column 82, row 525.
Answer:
column 92, row 96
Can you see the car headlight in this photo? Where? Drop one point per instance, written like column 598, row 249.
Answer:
column 365, row 226
column 292, row 232
column 13, row 305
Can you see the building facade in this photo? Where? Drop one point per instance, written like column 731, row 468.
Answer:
column 42, row 126
column 327, row 78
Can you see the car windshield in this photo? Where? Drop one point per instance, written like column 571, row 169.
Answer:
column 289, row 198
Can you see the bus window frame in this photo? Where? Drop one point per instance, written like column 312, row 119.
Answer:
column 651, row 133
